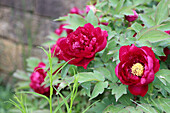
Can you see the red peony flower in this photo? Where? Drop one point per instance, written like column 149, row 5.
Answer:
column 37, row 78
column 61, row 29
column 137, row 68
column 90, row 7
column 82, row 45
column 76, row 10
column 131, row 18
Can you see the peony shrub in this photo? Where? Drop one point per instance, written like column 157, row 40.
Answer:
column 111, row 57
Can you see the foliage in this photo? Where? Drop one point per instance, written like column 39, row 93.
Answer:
column 97, row 88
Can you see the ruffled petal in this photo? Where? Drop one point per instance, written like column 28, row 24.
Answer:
column 156, row 65
column 123, row 51
column 84, row 62
column 103, row 42
column 138, row 90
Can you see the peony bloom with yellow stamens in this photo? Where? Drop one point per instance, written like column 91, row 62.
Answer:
column 137, row 68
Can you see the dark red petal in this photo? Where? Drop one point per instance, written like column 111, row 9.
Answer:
column 117, row 70
column 103, row 42
column 41, row 64
column 138, row 90
column 150, row 77
column 67, row 57
column 156, row 65
column 124, row 76
column 131, row 18
column 89, row 26
column 62, row 43
column 123, row 50
column 150, row 53
column 130, row 52
column 84, row 62
column 76, row 10
column 150, row 63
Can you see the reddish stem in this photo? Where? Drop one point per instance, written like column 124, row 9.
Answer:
column 135, row 97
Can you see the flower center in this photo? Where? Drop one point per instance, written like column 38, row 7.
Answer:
column 137, row 69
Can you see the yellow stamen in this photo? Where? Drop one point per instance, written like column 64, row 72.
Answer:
column 137, row 69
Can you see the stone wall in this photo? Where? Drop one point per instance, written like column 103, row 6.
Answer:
column 24, row 25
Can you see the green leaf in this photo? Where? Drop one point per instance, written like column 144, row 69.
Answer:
column 101, row 106
column 41, row 111
column 113, row 2
column 53, row 36
column 105, row 56
column 23, row 85
column 58, row 66
column 154, row 36
column 165, row 26
column 111, row 67
column 129, row 109
column 89, row 76
column 162, row 103
column 148, row 21
column 64, row 18
column 158, row 51
column 161, row 12
column 119, row 6
column 32, row 62
column 75, row 21
column 113, row 108
column 118, row 90
column 111, row 45
column 99, row 89
column 150, row 88
column 128, row 10
column 137, row 27
column 163, row 74
column 111, row 35
column 98, row 108
column 64, row 71
column 48, row 43
column 61, row 103
column 146, row 108
column 90, row 106
column 125, row 99
column 105, row 72
column 161, row 85
column 87, row 87
column 91, row 18
column 137, row 2
column 35, row 94
column 101, row 4
column 19, row 74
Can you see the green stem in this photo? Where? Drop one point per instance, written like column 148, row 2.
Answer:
column 74, row 92
column 51, row 80
column 51, row 89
